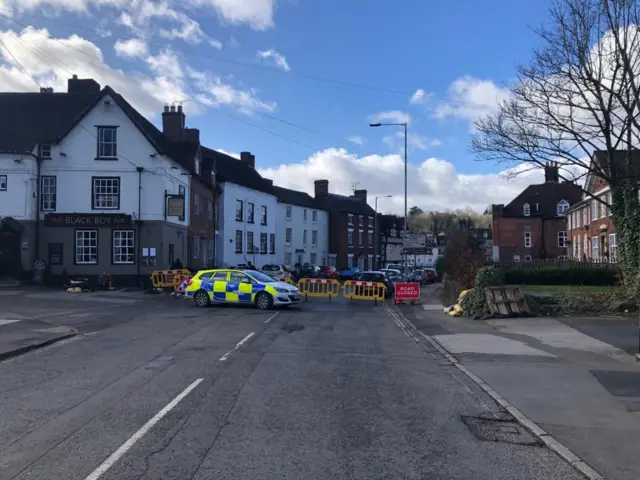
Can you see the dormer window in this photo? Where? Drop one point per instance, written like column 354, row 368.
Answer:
column 526, row 210
column 45, row 151
column 562, row 207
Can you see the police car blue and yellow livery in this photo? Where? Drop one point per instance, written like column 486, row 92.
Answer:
column 242, row 287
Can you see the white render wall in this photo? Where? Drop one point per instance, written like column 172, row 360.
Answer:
column 298, row 226
column 225, row 248
column 18, row 201
column 74, row 170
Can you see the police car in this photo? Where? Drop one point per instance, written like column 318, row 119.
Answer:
column 241, row 287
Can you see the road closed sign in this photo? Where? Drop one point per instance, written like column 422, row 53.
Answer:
column 407, row 292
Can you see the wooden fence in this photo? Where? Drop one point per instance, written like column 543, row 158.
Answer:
column 554, row 263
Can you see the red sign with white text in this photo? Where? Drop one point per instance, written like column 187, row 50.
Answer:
column 407, row 291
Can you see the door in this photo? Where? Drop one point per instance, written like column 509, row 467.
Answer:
column 300, row 257
column 361, row 262
column 239, row 289
column 10, row 264
column 219, row 286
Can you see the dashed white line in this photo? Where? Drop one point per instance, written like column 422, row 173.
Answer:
column 268, row 320
column 126, row 446
column 238, row 345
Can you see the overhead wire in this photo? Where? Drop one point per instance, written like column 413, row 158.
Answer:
column 15, row 59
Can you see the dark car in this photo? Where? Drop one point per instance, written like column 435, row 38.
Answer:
column 307, row 271
column 380, row 277
column 431, row 275
column 349, row 273
column 329, row 271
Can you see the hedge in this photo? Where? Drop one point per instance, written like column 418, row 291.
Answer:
column 599, row 276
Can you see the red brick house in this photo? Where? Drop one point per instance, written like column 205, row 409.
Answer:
column 351, row 228
column 591, row 232
column 533, row 225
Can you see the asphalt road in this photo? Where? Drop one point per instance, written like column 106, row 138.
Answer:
column 158, row 389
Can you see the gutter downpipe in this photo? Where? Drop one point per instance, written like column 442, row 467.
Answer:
column 139, row 221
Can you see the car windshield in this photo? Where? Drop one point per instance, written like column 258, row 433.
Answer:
column 261, row 277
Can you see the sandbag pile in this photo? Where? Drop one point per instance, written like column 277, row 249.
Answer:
column 456, row 310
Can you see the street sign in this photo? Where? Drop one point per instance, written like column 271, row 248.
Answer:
column 414, row 240
column 407, row 292
column 418, row 251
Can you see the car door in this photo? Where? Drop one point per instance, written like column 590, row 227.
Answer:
column 239, row 288
column 218, row 282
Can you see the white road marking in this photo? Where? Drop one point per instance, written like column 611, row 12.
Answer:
column 238, row 345
column 126, row 446
column 268, row 320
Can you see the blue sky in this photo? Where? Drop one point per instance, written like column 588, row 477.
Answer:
column 459, row 54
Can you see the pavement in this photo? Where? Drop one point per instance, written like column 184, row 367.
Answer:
column 156, row 388
column 575, row 378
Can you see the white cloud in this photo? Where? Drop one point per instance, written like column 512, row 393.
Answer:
column 470, row 98
column 132, row 48
column 256, row 13
column 394, row 116
column 414, row 140
column 433, row 184
column 278, row 59
column 167, row 79
column 356, row 140
column 420, row 96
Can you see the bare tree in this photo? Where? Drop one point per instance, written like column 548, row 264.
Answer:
column 580, row 94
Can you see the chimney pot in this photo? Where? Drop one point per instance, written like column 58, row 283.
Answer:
column 179, row 108
column 173, row 124
column 166, row 108
column 248, row 158
column 173, row 108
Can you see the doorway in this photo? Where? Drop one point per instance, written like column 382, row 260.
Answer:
column 10, row 237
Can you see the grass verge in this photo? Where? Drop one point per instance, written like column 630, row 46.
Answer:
column 568, row 289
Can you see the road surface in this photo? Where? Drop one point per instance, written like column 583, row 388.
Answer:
column 158, row 389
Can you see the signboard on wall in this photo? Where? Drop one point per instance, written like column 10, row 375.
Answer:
column 418, row 251
column 175, row 206
column 56, row 254
column 86, row 219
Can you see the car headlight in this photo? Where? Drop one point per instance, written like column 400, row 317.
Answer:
column 282, row 290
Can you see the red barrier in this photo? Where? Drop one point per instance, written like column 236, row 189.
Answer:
column 407, row 292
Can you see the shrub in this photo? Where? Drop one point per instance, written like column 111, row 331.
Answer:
column 474, row 303
column 561, row 276
column 463, row 258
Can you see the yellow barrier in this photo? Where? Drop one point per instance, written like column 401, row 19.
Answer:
column 360, row 290
column 288, row 280
column 318, row 287
column 166, row 278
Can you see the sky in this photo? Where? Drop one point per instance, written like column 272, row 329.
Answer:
column 297, row 82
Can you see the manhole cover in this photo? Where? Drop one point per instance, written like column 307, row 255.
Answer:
column 619, row 383
column 292, row 328
column 500, row 430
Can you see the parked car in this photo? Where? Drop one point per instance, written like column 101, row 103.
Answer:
column 307, row 271
column 420, row 276
column 329, row 271
column 278, row 272
column 380, row 277
column 349, row 273
column 432, row 275
column 393, row 275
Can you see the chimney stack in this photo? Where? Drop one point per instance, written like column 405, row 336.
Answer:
column 82, row 85
column 551, row 172
column 192, row 135
column 248, row 158
column 360, row 195
column 173, row 123
column 321, row 188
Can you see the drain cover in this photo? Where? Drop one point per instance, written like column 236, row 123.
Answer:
column 490, row 429
column 292, row 328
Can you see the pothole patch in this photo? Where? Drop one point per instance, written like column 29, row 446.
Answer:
column 292, row 327
column 503, row 429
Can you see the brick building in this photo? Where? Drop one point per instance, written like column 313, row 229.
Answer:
column 533, row 225
column 591, row 232
column 351, row 229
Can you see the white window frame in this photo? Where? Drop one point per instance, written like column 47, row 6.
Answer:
column 250, row 245
column 272, row 243
column 314, row 216
column 603, row 207
column 304, row 215
column 613, row 247
column 48, row 193
column 527, row 239
column 350, row 219
column 350, row 260
column 561, row 208
column 103, row 192
column 313, row 258
column 123, row 247
column 288, row 213
column 526, row 210
column 3, row 183
column 314, row 238
column 360, row 238
column 238, row 245
column 107, row 149
column 579, row 250
column 350, row 238
column 85, row 247
column 44, row 150
column 251, row 212
column 595, row 248
column 263, row 215
column 562, row 239
column 594, row 210
column 263, row 242
column 288, row 236
column 585, row 244
column 239, row 210
column 288, row 257
column 304, row 237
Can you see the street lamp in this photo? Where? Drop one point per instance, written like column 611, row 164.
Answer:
column 406, row 215
column 376, row 233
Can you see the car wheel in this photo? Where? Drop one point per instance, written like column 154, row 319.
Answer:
column 264, row 301
column 201, row 299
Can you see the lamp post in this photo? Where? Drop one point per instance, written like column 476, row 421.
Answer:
column 405, row 180
column 376, row 232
